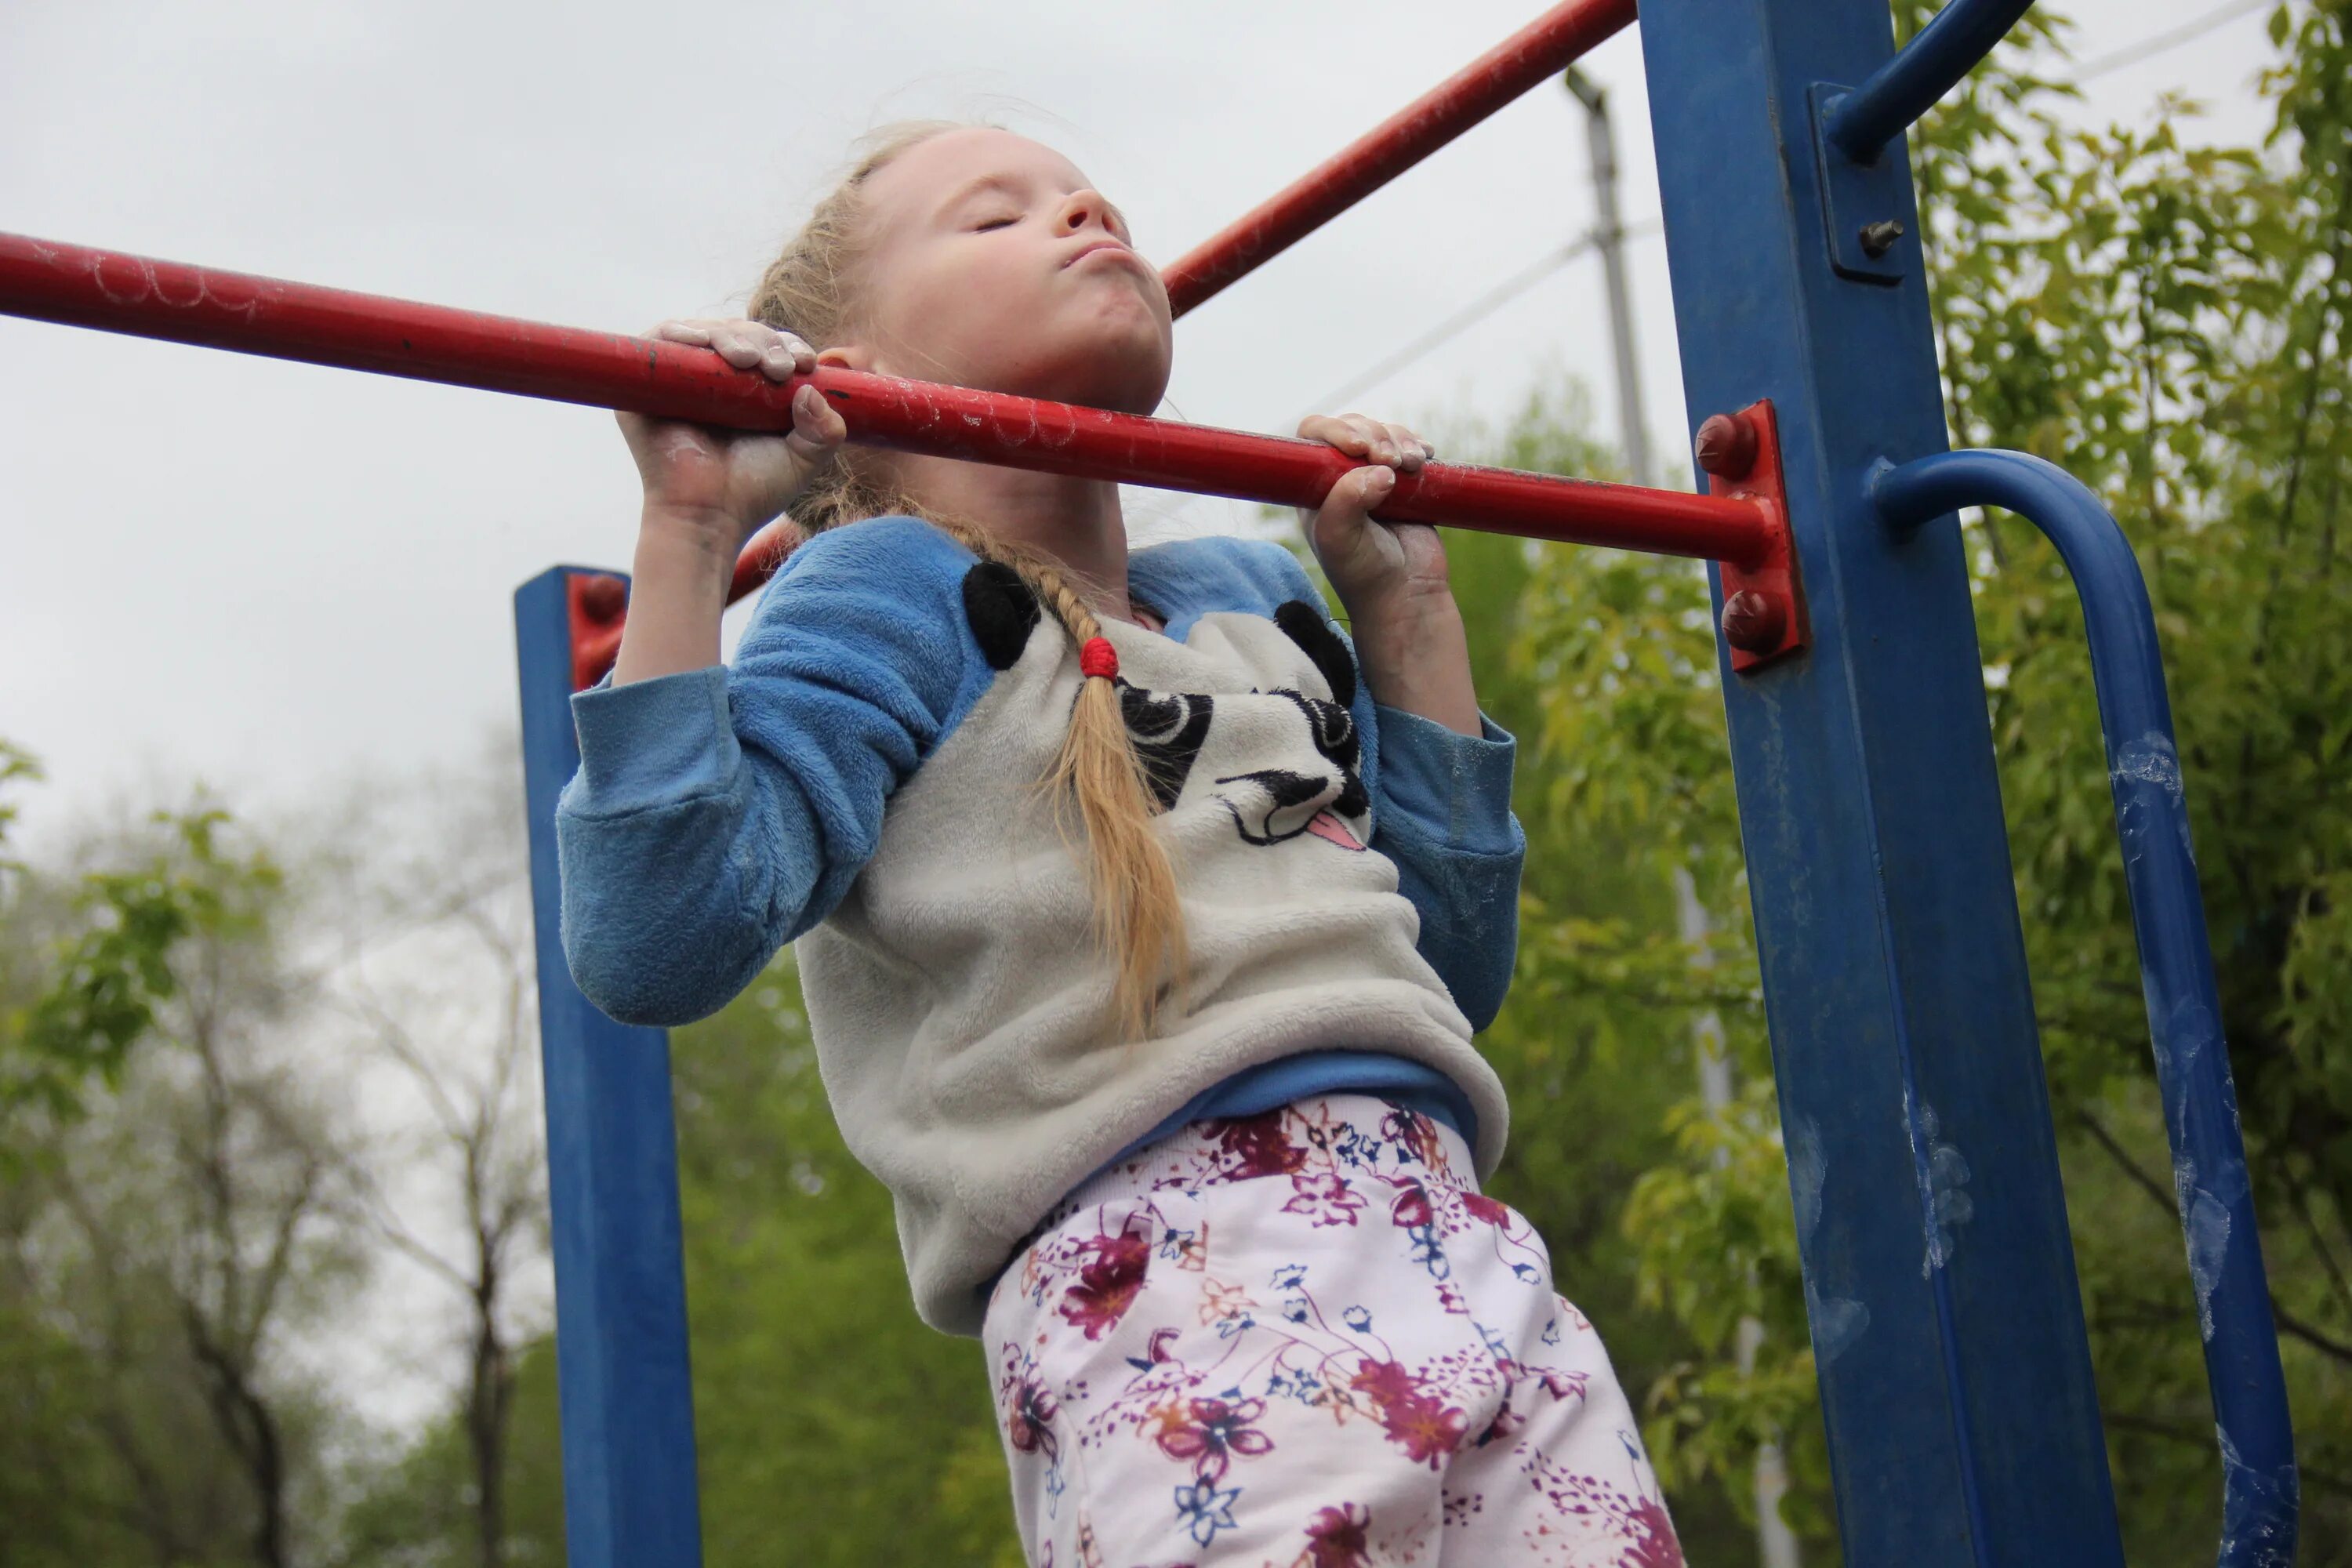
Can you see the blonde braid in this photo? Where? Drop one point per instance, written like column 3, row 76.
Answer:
column 1139, row 916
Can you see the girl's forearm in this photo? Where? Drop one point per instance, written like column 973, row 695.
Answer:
column 1416, row 656
column 682, row 572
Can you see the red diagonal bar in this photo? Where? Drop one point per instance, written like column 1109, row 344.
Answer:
column 1543, row 48
column 146, row 297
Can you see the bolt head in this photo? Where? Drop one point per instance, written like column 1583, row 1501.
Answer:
column 1725, row 446
column 1878, row 239
column 1752, row 623
column 602, row 598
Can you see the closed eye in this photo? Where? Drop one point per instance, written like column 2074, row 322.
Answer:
column 994, row 222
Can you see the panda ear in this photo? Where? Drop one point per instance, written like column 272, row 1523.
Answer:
column 1306, row 626
column 1002, row 611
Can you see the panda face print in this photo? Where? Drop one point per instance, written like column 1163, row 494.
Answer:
column 1307, row 782
column 1279, row 764
column 1273, row 806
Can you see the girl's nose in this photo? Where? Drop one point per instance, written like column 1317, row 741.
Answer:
column 1080, row 207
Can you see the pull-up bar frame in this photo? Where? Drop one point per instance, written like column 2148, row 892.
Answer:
column 78, row 285
column 1956, row 1386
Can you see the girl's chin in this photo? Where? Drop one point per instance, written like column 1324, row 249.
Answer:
column 1124, row 382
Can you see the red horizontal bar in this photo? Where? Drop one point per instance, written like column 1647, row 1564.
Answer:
column 145, row 298
column 1500, row 76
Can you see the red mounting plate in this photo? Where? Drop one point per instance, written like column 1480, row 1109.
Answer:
column 596, row 602
column 1763, row 602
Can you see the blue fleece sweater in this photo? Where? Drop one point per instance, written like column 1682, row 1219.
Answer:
column 865, row 777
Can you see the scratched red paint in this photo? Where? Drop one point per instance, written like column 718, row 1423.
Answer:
column 80, row 286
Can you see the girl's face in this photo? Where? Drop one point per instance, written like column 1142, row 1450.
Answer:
column 995, row 265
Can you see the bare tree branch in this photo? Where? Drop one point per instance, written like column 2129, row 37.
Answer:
column 2311, row 1335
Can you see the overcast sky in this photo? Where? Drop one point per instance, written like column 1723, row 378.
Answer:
column 269, row 574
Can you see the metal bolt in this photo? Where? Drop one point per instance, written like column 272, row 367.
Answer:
column 1752, row 623
column 1725, row 446
column 602, row 598
column 1878, row 239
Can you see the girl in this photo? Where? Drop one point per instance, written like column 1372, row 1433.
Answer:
column 1145, row 919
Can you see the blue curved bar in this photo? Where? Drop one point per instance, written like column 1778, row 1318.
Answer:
column 1862, row 122
column 2200, row 1106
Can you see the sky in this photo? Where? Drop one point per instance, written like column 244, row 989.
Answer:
column 275, row 577
column 281, row 579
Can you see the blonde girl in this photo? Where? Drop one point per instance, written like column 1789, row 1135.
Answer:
column 1144, row 917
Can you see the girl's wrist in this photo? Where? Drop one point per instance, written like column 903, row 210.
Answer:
column 1416, row 656
column 1403, row 612
column 684, row 564
column 711, row 530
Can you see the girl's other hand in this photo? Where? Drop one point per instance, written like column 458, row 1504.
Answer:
column 727, row 484
column 1377, row 567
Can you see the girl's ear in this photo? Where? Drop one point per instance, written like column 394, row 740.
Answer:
column 845, row 357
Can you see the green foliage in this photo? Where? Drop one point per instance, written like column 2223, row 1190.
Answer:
column 2169, row 322
column 1720, row 1255
column 16, row 763
column 53, row 1461
column 164, row 1237
column 111, row 967
column 415, row 1507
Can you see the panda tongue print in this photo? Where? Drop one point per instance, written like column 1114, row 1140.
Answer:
column 1325, row 825
column 1268, row 806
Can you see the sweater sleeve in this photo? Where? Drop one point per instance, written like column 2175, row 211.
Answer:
column 719, row 813
column 1441, row 813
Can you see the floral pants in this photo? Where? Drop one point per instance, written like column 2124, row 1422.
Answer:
column 1305, row 1340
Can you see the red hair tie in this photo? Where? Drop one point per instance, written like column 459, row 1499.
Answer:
column 1097, row 660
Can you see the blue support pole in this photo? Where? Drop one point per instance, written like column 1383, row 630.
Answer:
column 629, row 1496
column 2259, row 1489
column 1947, row 1322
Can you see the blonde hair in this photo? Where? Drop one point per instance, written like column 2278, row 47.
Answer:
column 811, row 290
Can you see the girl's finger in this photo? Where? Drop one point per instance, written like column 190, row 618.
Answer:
column 778, row 363
column 1350, row 505
column 1377, row 446
column 817, row 423
column 1335, row 432
column 690, row 333
column 736, row 347
column 1410, row 452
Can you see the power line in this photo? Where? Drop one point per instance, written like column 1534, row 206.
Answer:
column 2148, row 48
column 1478, row 310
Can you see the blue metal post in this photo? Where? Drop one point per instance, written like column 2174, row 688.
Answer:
column 620, row 1288
column 1947, row 1322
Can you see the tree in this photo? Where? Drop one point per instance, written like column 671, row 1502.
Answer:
column 435, row 972
column 2169, row 322
column 169, row 1243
